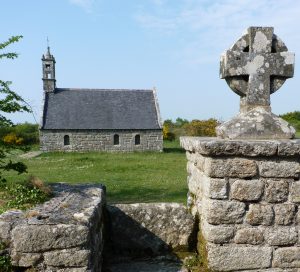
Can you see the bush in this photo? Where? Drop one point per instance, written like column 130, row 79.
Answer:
column 293, row 118
column 29, row 133
column 201, row 127
column 13, row 139
column 167, row 135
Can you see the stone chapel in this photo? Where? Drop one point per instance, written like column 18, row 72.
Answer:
column 97, row 119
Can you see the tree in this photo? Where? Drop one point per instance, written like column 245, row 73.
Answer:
column 10, row 102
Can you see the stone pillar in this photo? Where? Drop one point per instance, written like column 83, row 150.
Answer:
column 246, row 194
column 244, row 185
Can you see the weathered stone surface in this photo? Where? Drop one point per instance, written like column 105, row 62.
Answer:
column 36, row 238
column 196, row 159
column 266, row 71
column 278, row 169
column 237, row 167
column 234, row 258
column 25, row 259
column 7, row 221
column 46, row 241
column 223, row 212
column 287, row 257
column 156, row 227
column 5, row 228
column 260, row 214
column 277, row 190
column 215, row 188
column 220, row 147
column 284, row 214
column 217, row 234
column 253, row 236
column 67, row 258
column 257, row 124
column 248, row 147
column 281, row 236
column 195, row 179
column 247, row 190
column 289, row 148
column 295, row 192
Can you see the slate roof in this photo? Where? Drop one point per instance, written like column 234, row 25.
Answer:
column 100, row 109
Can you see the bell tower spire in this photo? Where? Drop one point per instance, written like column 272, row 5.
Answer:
column 48, row 62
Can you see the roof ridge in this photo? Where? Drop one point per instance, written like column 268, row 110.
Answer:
column 95, row 89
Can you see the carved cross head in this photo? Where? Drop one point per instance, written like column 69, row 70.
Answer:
column 256, row 66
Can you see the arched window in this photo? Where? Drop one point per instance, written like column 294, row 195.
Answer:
column 66, row 140
column 137, row 139
column 116, row 139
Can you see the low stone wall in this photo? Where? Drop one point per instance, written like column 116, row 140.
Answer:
column 158, row 228
column 247, row 194
column 80, row 140
column 63, row 234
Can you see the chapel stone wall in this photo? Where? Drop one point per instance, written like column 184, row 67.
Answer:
column 81, row 140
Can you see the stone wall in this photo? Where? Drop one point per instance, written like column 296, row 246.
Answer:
column 63, row 234
column 52, row 140
column 247, row 195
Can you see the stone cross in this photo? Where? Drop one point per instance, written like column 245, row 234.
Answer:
column 258, row 64
column 255, row 67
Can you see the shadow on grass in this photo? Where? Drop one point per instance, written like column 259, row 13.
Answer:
column 173, row 150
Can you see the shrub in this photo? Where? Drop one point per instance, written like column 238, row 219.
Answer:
column 167, row 135
column 201, row 127
column 13, row 139
column 293, row 118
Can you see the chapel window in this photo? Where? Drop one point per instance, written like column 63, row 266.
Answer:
column 116, row 139
column 137, row 139
column 66, row 140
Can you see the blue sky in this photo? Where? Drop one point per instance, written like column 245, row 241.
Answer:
column 174, row 45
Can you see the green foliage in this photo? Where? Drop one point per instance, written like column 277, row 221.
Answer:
column 182, row 127
column 293, row 118
column 10, row 102
column 5, row 263
column 167, row 135
column 202, row 127
column 28, row 132
column 22, row 195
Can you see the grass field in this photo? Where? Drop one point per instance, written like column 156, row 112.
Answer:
column 128, row 177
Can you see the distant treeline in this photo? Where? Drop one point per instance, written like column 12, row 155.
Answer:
column 21, row 134
column 181, row 127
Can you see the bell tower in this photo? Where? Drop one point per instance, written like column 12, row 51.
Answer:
column 49, row 81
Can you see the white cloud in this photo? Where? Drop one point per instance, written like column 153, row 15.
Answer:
column 212, row 26
column 87, row 5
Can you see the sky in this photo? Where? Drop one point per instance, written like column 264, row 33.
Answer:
column 172, row 45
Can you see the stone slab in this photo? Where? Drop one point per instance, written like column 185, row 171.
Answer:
column 234, row 258
column 150, row 228
column 211, row 146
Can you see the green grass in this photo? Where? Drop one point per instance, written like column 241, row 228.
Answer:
column 128, row 177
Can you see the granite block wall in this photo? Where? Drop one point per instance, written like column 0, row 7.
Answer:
column 63, row 234
column 247, row 195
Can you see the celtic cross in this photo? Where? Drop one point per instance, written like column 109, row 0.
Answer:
column 256, row 66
